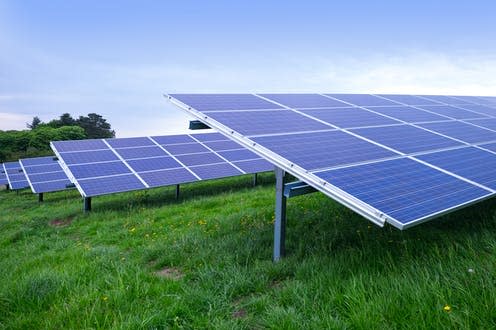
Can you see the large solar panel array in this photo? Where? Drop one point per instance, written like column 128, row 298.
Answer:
column 3, row 176
column 44, row 174
column 105, row 166
column 401, row 159
column 15, row 176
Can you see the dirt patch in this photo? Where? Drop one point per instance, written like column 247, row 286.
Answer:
column 239, row 314
column 61, row 222
column 170, row 273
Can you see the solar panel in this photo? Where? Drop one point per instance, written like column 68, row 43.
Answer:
column 391, row 158
column 3, row 176
column 15, row 176
column 44, row 174
column 126, row 164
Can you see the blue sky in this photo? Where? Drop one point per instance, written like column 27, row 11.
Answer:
column 117, row 58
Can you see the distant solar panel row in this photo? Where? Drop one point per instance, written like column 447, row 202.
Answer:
column 105, row 166
column 397, row 158
column 3, row 176
column 16, row 178
column 44, row 174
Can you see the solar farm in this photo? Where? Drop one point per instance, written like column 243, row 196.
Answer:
column 342, row 186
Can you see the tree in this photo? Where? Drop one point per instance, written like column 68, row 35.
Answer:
column 95, row 126
column 34, row 123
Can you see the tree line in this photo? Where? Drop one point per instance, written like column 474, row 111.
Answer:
column 35, row 141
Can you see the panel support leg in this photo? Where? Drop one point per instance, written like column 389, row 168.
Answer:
column 177, row 191
column 255, row 179
column 40, row 197
column 280, row 216
column 87, row 204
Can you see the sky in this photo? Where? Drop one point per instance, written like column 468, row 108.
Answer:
column 118, row 58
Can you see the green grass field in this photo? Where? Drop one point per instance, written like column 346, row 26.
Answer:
column 146, row 261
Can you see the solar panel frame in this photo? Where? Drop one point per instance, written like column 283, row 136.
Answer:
column 337, row 194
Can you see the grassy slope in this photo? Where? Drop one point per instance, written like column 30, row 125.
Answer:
column 341, row 272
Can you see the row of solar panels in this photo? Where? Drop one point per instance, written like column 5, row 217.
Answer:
column 104, row 166
column 397, row 158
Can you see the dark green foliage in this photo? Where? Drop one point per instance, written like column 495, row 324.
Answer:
column 95, row 126
column 36, row 141
column 35, row 123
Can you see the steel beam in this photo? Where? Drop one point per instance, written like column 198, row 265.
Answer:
column 40, row 197
column 87, row 204
column 177, row 191
column 280, row 216
column 255, row 179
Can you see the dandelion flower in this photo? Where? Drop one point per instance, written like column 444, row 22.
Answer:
column 447, row 308
column 104, row 298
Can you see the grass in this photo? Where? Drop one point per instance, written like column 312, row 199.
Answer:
column 146, row 261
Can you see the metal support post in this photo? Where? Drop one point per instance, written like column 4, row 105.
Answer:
column 255, row 179
column 280, row 216
column 87, row 204
column 40, row 197
column 177, row 191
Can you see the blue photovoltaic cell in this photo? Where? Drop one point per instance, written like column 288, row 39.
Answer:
column 12, row 165
column 215, row 171
column 44, row 174
column 350, row 117
column 153, row 164
column 480, row 109
column 489, row 146
column 44, row 177
column 141, row 157
column 363, row 99
column 207, row 137
column 15, row 176
column 464, row 132
column 187, row 148
column 240, row 154
column 3, row 176
column 199, row 159
column 403, row 189
column 254, row 165
column 408, row 114
column 268, row 122
column 444, row 99
column 452, row 112
column 409, row 99
column 84, row 157
column 17, row 185
column 38, row 161
column 299, row 101
column 406, row 139
column 80, row 145
column 222, row 145
column 323, row 149
column 220, row 102
column 168, row 177
column 54, row 167
column 50, row 186
column 471, row 163
column 98, row 170
column 141, row 152
column 489, row 123
column 109, row 185
column 471, row 99
column 173, row 139
column 130, row 142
